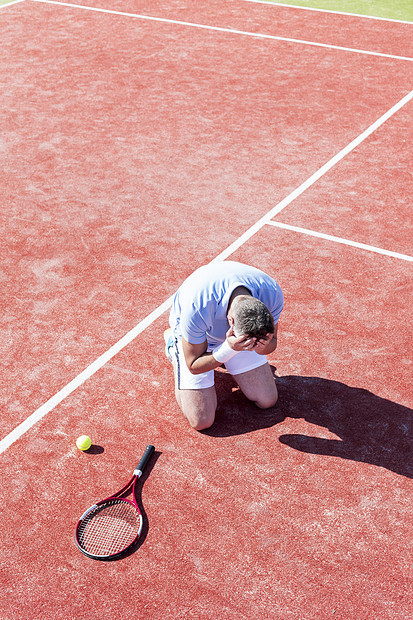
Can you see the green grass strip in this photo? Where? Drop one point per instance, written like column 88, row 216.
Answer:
column 388, row 9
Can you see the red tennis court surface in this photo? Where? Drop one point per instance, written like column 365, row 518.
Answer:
column 133, row 151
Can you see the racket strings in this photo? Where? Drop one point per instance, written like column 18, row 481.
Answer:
column 109, row 528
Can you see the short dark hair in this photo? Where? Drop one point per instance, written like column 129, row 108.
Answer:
column 252, row 317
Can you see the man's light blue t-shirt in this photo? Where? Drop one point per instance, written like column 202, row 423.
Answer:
column 199, row 309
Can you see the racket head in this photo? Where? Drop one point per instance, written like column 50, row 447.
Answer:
column 108, row 529
column 111, row 527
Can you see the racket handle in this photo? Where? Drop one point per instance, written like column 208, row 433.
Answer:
column 145, row 458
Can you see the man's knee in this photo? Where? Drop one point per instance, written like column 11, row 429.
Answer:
column 198, row 407
column 202, row 424
column 266, row 396
column 199, row 420
column 266, row 401
column 259, row 386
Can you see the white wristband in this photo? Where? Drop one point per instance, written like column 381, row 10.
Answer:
column 223, row 353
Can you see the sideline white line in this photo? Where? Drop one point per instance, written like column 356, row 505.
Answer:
column 103, row 359
column 354, row 244
column 311, row 8
column 315, row 177
column 227, row 30
column 82, row 377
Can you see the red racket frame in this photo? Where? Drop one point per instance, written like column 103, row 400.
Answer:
column 117, row 496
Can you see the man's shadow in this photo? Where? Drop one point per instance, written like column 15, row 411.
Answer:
column 371, row 429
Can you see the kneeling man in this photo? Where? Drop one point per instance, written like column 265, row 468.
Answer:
column 224, row 313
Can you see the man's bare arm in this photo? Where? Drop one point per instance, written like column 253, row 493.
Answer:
column 199, row 360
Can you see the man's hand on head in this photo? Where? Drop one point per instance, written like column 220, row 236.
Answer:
column 240, row 343
column 263, row 345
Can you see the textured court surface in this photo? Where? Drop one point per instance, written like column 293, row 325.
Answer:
column 133, row 151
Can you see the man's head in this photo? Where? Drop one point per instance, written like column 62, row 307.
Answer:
column 250, row 317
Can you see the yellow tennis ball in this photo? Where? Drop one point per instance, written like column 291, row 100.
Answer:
column 83, row 442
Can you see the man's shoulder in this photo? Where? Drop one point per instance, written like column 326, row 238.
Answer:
column 212, row 282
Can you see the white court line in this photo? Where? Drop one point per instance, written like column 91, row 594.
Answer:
column 2, row 6
column 127, row 339
column 354, row 244
column 255, row 35
column 311, row 180
column 83, row 376
column 310, row 8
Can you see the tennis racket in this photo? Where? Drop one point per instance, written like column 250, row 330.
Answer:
column 111, row 527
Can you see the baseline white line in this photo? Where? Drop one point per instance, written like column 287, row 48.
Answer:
column 354, row 244
column 127, row 339
column 2, row 6
column 310, row 8
column 227, row 30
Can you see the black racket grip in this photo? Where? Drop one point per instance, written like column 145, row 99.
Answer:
column 145, row 458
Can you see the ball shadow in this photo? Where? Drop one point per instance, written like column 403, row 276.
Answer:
column 95, row 449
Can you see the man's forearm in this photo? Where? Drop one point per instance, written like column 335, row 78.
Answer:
column 204, row 363
column 207, row 361
column 199, row 360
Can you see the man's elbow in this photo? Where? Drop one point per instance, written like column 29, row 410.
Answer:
column 193, row 370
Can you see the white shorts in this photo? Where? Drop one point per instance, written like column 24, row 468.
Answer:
column 242, row 362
